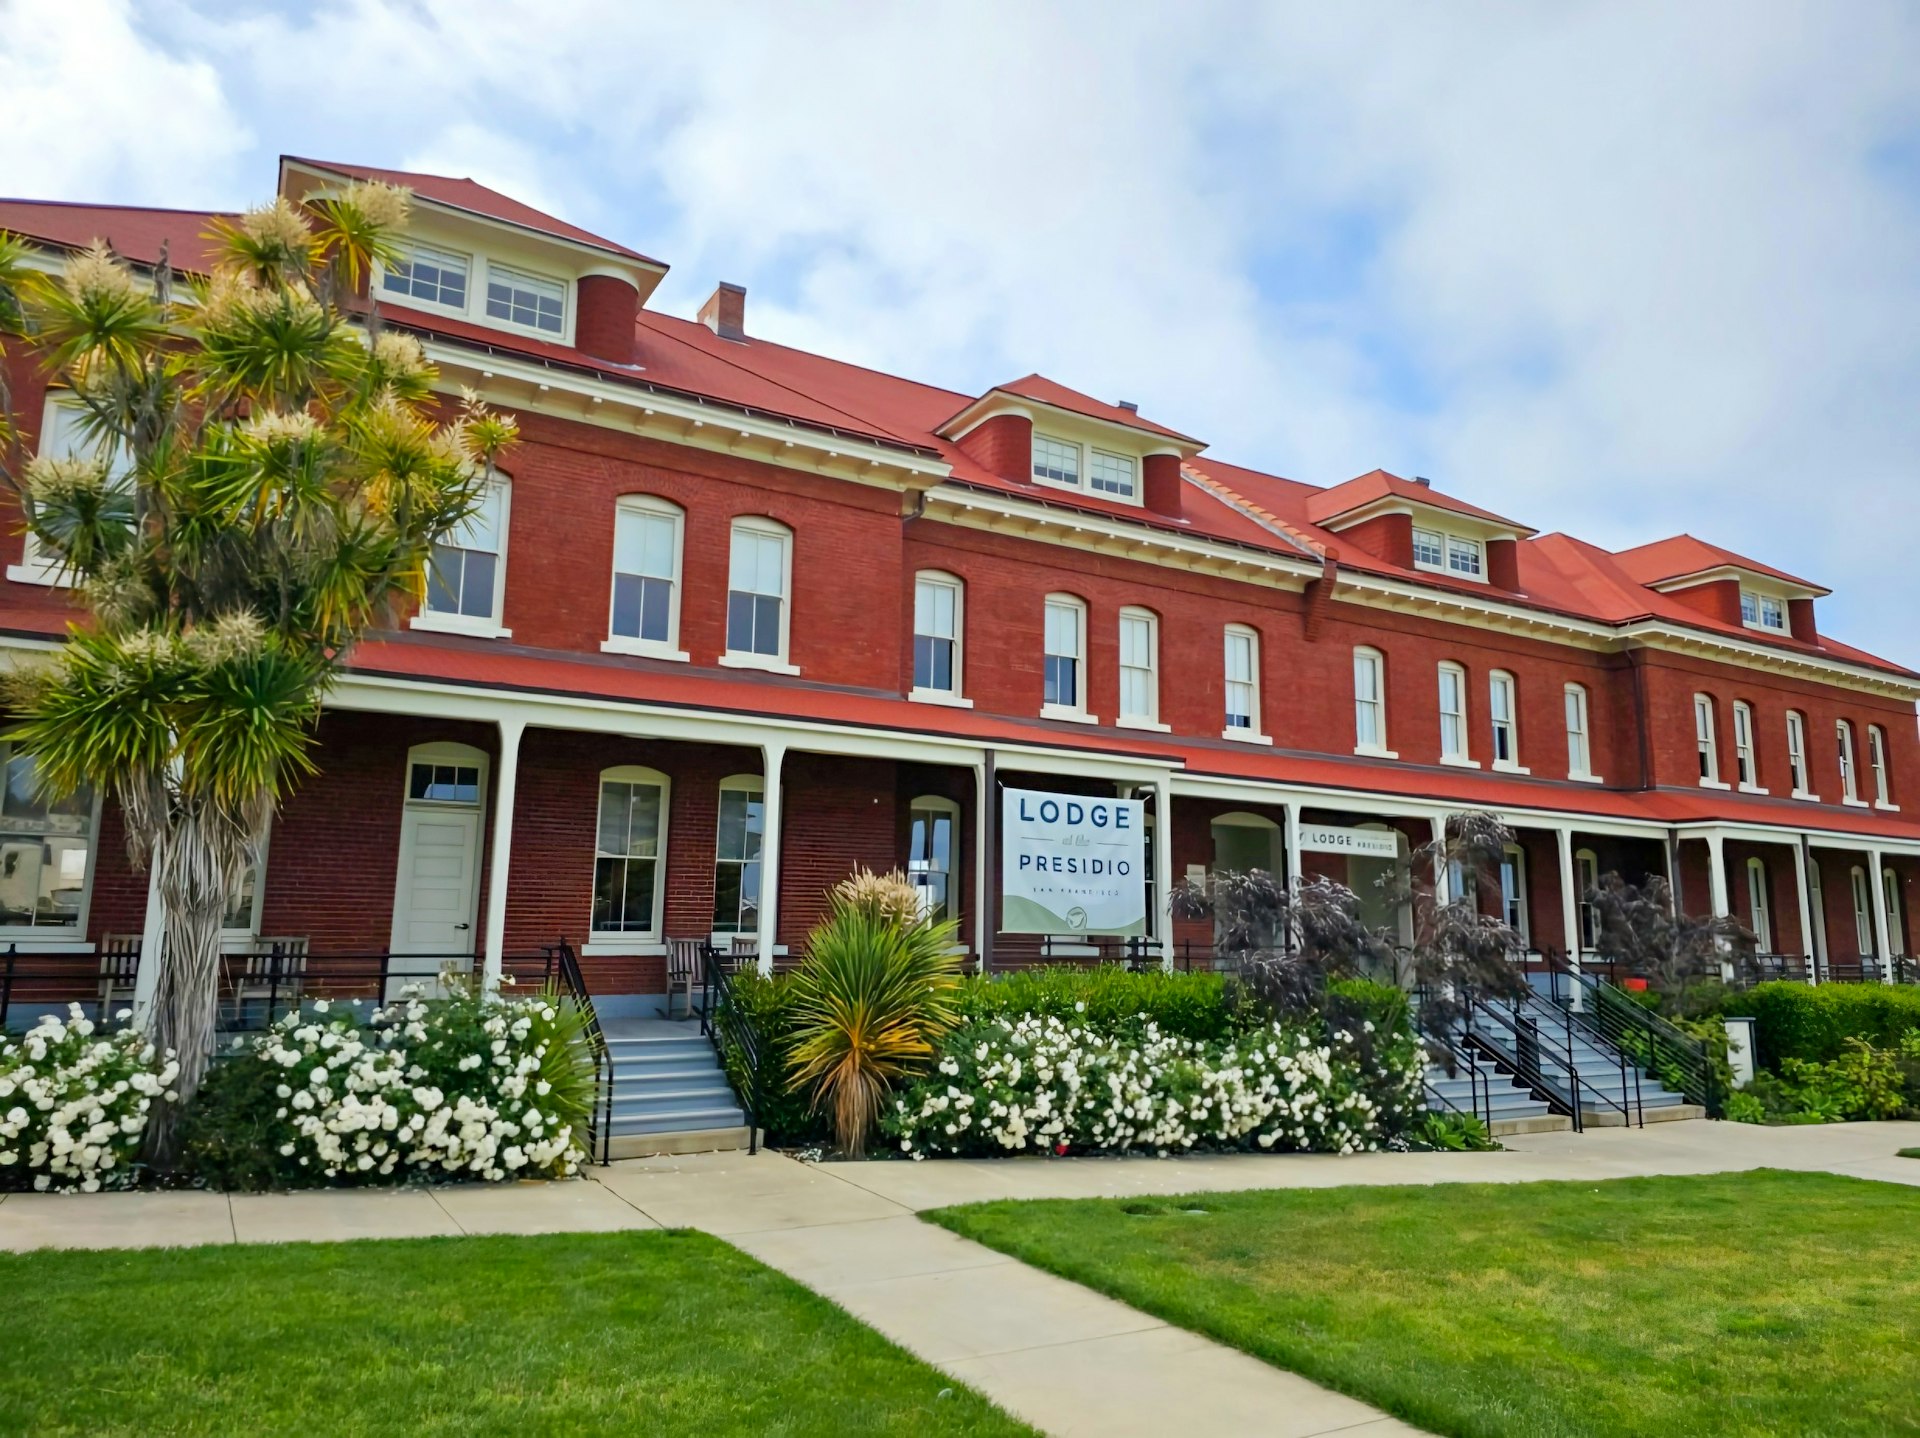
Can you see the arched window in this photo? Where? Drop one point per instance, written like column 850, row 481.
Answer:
column 1706, row 740
column 736, row 855
column 647, row 540
column 1849, row 779
column 467, row 577
column 1759, row 905
column 1369, row 700
column 1064, row 681
column 1453, row 714
column 939, row 601
column 1242, row 673
column 933, row 854
column 630, row 845
column 759, row 583
column 1503, row 706
column 1139, row 667
column 1579, row 742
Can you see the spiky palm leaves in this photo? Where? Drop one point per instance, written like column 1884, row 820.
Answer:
column 268, row 483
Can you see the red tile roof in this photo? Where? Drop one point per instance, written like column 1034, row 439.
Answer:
column 136, row 234
column 1378, row 484
column 1683, row 555
column 1038, row 387
column 478, row 199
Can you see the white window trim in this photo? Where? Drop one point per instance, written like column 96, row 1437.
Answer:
column 477, row 298
column 1896, row 922
column 1760, row 903
column 953, row 698
column 1084, row 468
column 1464, row 759
column 1379, row 663
column 378, row 283
column 1496, row 679
column 668, row 648
column 252, row 930
column 1586, row 875
column 1584, row 773
column 780, row 663
column 1448, row 538
column 479, row 267
column 1147, row 722
column 1757, row 623
column 956, row 876
column 621, row 943
column 1849, row 766
column 1077, row 712
column 1743, row 709
column 62, row 938
column 490, row 627
column 747, row 783
column 1877, row 761
column 35, row 567
column 1797, row 728
column 1858, row 886
column 1523, row 908
column 1711, row 779
column 1257, row 733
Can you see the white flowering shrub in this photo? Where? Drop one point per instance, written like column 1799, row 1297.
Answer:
column 74, row 1104
column 454, row 1088
column 1039, row 1084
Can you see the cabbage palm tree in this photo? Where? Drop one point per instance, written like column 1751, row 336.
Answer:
column 270, row 479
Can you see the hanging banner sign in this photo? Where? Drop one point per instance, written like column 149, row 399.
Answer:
column 1070, row 864
column 1362, row 843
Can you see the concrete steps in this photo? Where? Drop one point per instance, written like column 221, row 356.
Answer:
column 670, row 1093
column 1513, row 1108
column 1607, row 1096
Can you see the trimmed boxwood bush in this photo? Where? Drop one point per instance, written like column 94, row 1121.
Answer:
column 1198, row 1006
column 1812, row 1023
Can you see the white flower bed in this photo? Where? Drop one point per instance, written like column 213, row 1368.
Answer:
column 74, row 1104
column 451, row 1089
column 1036, row 1084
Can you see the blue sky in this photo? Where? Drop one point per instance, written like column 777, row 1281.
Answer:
column 1619, row 269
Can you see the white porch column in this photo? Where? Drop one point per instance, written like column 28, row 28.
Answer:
column 1570, row 909
column 1717, row 887
column 506, row 774
column 1801, row 897
column 982, row 865
column 1440, row 860
column 1163, row 864
column 1291, row 810
column 153, row 937
column 1882, row 945
column 771, row 754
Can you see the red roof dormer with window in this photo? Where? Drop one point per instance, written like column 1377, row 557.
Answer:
column 1725, row 586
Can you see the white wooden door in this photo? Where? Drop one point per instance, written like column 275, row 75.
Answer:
column 439, row 861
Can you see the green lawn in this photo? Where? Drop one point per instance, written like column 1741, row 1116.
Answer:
column 1758, row 1303
column 632, row 1333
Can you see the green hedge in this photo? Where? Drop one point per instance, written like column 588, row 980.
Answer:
column 787, row 1118
column 1812, row 1023
column 1199, row 1006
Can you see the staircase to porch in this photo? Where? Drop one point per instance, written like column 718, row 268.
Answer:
column 670, row 1094
column 1478, row 1087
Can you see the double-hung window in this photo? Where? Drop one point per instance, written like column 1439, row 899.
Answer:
column 1503, row 708
column 1139, row 667
column 1429, row 549
column 646, row 577
column 760, row 571
column 1064, row 682
column 1513, row 891
column 531, row 301
column 1759, row 905
column 936, row 634
column 1463, row 556
column 1586, row 868
column 45, row 846
column 468, row 571
column 1242, row 683
column 64, row 434
column 933, row 854
column 422, row 272
column 1877, row 757
column 629, row 848
column 1055, row 461
column 1453, row 714
column 1862, row 911
column 1849, row 778
column 1111, row 474
column 1763, row 611
column 1579, row 743
column 1706, row 741
column 1369, row 701
column 1743, row 756
column 1797, row 753
column 736, row 855
column 1896, row 913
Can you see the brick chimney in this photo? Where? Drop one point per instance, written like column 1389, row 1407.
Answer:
column 725, row 312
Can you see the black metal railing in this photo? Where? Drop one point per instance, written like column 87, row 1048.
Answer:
column 563, row 976
column 1513, row 1042
column 1607, row 1013
column 1452, row 1059
column 728, row 1025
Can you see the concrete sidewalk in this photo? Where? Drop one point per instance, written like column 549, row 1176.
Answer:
column 1063, row 1358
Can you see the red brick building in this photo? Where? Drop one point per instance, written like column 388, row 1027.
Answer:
column 741, row 618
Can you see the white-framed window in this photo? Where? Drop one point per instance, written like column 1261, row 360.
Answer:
column 1242, row 672
column 1849, row 777
column 648, row 534
column 629, row 853
column 1877, row 757
column 1586, row 870
column 1112, row 474
column 426, row 272
column 241, row 920
column 63, row 435
column 1464, row 556
column 1064, row 680
column 1862, row 911
column 1744, row 761
column 938, row 625
column 1797, row 752
column 467, row 576
column 736, row 854
column 759, row 575
column 933, row 854
column 1759, row 905
column 1055, row 461
column 1513, row 891
column 1763, row 611
column 1579, row 741
column 1453, row 714
column 1706, row 739
column 1429, row 549
column 1503, row 708
column 1139, row 666
column 46, row 851
column 1369, row 699
column 532, row 302
column 1896, row 913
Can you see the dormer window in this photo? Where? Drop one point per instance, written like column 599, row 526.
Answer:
column 1429, row 549
column 1112, row 474
column 422, row 272
column 1463, row 556
column 1445, row 553
column 1056, row 462
column 1763, row 611
column 523, row 299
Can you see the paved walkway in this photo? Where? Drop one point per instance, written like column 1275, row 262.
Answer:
column 1065, row 1359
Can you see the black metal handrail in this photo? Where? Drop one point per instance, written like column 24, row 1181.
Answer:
column 725, row 1022
column 1479, row 1086
column 1665, row 1050
column 563, row 974
column 1524, row 1055
column 1562, row 1019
